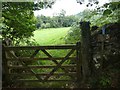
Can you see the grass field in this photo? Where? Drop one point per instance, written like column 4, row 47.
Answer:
column 51, row 36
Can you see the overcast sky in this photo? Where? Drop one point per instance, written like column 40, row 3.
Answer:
column 70, row 6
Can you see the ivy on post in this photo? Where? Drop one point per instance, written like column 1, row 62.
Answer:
column 86, row 51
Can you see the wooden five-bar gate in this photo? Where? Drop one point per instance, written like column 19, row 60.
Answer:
column 18, row 68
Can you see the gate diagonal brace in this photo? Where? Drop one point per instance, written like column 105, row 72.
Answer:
column 35, row 53
column 59, row 64
column 25, row 65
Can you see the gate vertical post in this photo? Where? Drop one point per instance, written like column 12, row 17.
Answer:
column 5, row 70
column 86, row 50
column 78, row 63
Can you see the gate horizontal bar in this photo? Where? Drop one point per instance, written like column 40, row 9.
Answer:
column 31, row 59
column 24, row 80
column 73, row 46
column 55, row 74
column 42, row 66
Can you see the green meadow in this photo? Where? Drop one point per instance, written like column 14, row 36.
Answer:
column 51, row 36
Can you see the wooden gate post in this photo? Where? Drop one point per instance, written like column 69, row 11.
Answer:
column 86, row 50
column 5, row 71
column 78, row 63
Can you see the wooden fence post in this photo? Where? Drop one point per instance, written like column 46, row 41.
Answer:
column 86, row 50
column 78, row 63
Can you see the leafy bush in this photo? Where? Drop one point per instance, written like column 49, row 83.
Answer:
column 47, row 25
column 73, row 35
column 43, row 25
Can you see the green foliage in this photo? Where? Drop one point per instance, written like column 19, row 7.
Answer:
column 19, row 21
column 47, row 25
column 73, row 35
column 86, row 14
column 18, row 25
column 56, row 21
column 43, row 25
column 90, row 3
column 1, row 25
column 105, row 81
column 108, row 13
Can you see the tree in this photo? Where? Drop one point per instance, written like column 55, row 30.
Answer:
column 112, row 9
column 19, row 20
column 108, row 13
column 90, row 2
column 61, row 17
column 19, row 25
column 56, row 21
